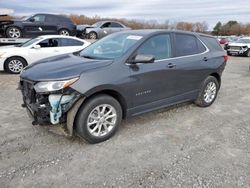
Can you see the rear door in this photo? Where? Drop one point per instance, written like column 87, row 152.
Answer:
column 190, row 61
column 50, row 24
column 115, row 27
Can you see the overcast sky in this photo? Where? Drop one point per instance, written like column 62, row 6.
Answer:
column 210, row 11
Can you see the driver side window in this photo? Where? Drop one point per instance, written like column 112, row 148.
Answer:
column 39, row 18
column 106, row 25
column 48, row 43
column 159, row 46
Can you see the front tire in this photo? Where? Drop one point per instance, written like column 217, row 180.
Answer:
column 93, row 35
column 98, row 119
column 247, row 53
column 208, row 92
column 13, row 32
column 15, row 65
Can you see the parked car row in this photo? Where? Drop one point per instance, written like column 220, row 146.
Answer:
column 14, row 58
column 122, row 75
column 43, row 24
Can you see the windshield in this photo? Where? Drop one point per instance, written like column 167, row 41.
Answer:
column 243, row 41
column 110, row 47
column 97, row 24
column 29, row 42
column 25, row 18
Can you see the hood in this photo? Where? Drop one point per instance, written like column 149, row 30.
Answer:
column 237, row 44
column 61, row 67
column 82, row 27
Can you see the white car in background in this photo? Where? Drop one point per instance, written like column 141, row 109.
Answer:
column 14, row 58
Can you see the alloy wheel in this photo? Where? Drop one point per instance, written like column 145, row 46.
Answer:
column 64, row 32
column 210, row 92
column 14, row 32
column 15, row 66
column 101, row 120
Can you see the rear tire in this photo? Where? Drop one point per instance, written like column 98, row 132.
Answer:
column 15, row 65
column 208, row 92
column 13, row 32
column 98, row 119
column 64, row 32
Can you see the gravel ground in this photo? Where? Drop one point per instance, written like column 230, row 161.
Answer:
column 185, row 146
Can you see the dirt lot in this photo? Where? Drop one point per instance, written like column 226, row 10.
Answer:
column 185, row 146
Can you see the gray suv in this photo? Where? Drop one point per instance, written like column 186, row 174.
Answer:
column 122, row 75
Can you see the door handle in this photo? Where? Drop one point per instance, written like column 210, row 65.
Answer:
column 205, row 59
column 171, row 65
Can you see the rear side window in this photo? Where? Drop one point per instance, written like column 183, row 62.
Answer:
column 159, row 46
column 114, row 24
column 188, row 45
column 70, row 42
column 211, row 43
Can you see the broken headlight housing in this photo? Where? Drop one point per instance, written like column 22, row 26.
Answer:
column 43, row 87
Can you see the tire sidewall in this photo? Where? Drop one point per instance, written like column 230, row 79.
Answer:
column 86, row 109
column 6, row 64
column 7, row 31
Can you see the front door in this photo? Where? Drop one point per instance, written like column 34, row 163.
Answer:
column 34, row 26
column 155, row 81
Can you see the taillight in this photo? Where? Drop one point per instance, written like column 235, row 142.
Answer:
column 225, row 57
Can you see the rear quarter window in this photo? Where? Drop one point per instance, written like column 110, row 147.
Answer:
column 212, row 43
column 70, row 42
column 187, row 44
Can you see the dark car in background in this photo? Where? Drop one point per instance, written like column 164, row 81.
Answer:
column 36, row 25
column 122, row 75
column 100, row 29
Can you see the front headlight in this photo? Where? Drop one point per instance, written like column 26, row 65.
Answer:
column 42, row 87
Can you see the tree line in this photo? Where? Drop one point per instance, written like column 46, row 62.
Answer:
column 231, row 28
column 139, row 24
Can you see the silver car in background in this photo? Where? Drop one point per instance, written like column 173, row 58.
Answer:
column 100, row 29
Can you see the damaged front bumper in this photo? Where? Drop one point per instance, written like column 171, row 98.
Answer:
column 237, row 50
column 48, row 108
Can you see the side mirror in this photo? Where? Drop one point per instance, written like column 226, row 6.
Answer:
column 31, row 19
column 142, row 58
column 37, row 46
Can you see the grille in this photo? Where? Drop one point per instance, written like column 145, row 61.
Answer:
column 28, row 92
column 235, row 47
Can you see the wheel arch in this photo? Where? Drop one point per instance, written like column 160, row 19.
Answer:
column 26, row 62
column 73, row 112
column 113, row 93
column 217, row 76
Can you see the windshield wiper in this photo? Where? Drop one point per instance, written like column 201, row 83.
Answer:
column 88, row 57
